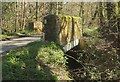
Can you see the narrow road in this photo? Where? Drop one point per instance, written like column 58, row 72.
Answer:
column 18, row 42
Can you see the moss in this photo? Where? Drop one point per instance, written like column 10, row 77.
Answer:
column 65, row 28
column 38, row 27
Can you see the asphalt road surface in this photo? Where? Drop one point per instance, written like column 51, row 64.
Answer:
column 18, row 42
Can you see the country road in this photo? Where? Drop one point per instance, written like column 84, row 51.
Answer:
column 18, row 42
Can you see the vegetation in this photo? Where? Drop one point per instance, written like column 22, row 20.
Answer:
column 98, row 54
column 36, row 61
column 18, row 16
column 95, row 59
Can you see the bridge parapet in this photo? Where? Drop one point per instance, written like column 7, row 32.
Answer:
column 64, row 30
column 38, row 26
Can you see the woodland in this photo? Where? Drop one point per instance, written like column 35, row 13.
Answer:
column 97, row 57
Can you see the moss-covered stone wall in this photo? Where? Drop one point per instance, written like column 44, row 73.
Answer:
column 62, row 29
column 38, row 27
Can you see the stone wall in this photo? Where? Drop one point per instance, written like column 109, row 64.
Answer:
column 62, row 29
column 38, row 27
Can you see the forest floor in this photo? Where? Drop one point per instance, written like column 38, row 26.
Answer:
column 108, row 57
column 97, row 57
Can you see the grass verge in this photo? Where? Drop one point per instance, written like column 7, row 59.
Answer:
column 36, row 61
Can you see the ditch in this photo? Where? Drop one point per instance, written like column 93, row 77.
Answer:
column 73, row 65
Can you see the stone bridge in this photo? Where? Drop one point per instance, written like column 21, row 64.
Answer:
column 64, row 30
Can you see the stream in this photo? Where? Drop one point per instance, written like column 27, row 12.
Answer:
column 75, row 68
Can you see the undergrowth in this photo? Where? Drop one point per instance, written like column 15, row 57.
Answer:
column 33, row 62
column 99, row 59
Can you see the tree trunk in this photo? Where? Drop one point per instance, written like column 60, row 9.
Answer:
column 81, row 12
column 16, row 17
column 118, row 16
column 23, row 28
column 101, row 17
column 36, row 11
